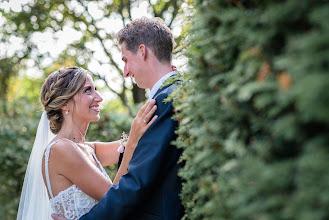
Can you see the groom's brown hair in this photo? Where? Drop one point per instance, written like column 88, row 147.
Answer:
column 153, row 33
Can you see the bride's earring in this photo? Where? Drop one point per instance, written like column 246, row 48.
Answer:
column 66, row 112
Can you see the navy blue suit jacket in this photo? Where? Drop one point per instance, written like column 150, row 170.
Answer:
column 150, row 190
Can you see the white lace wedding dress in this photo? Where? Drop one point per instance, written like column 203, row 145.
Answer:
column 71, row 203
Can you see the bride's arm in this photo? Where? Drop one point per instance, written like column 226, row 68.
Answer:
column 106, row 152
column 71, row 162
column 140, row 124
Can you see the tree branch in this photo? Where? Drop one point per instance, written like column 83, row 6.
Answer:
column 175, row 12
column 121, row 95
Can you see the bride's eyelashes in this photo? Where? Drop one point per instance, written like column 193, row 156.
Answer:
column 88, row 89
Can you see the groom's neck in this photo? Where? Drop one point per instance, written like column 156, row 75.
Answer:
column 157, row 71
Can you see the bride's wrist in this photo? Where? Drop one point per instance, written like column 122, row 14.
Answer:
column 133, row 139
column 127, row 141
column 132, row 142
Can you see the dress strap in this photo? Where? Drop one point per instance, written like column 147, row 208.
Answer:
column 95, row 158
column 46, row 167
column 100, row 167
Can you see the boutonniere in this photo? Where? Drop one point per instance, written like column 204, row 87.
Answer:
column 123, row 142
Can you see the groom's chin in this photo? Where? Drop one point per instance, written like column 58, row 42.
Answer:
column 141, row 86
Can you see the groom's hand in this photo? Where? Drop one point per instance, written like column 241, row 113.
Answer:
column 57, row 217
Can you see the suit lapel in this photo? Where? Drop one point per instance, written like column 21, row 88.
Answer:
column 166, row 86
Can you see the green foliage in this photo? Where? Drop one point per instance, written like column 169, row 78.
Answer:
column 253, row 111
column 94, row 24
column 16, row 139
column 7, row 72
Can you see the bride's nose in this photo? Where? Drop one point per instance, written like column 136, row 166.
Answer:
column 98, row 97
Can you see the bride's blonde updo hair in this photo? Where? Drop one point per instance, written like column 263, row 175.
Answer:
column 57, row 90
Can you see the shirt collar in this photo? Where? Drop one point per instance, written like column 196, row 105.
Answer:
column 158, row 84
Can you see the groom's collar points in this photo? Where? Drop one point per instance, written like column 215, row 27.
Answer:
column 158, row 84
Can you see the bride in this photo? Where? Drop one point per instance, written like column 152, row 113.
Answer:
column 65, row 174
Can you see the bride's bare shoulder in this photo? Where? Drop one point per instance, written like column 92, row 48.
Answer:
column 64, row 146
column 66, row 152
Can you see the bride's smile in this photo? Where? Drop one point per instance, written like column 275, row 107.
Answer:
column 85, row 103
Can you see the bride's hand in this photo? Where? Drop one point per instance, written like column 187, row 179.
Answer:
column 142, row 121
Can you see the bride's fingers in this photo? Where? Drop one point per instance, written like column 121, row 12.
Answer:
column 149, row 114
column 148, row 108
column 142, row 109
column 151, row 122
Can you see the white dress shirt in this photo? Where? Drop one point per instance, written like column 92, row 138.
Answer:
column 158, row 84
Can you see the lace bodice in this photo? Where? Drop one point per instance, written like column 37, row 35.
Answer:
column 71, row 203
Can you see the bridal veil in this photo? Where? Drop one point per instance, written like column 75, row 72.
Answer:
column 34, row 202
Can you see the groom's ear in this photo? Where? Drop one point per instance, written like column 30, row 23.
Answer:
column 143, row 51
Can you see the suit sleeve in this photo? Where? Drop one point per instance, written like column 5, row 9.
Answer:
column 153, row 157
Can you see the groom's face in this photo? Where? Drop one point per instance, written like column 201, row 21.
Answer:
column 133, row 65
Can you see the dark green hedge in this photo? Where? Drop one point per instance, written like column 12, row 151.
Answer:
column 254, row 111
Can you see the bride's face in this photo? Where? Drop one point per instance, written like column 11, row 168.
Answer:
column 86, row 102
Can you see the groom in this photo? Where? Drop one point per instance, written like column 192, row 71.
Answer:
column 151, row 187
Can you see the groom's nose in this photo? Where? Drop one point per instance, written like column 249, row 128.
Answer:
column 126, row 72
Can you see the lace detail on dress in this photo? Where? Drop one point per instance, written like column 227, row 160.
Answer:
column 72, row 203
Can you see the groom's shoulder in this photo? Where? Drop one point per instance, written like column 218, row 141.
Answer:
column 171, row 87
column 167, row 90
